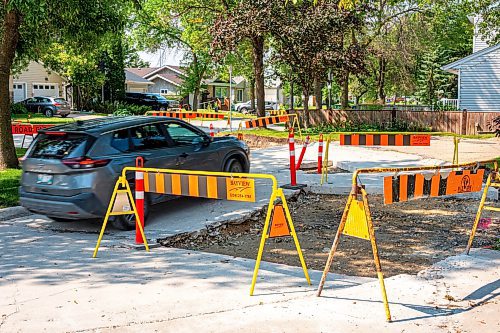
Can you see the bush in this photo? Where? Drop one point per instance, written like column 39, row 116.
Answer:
column 352, row 126
column 18, row 109
column 120, row 108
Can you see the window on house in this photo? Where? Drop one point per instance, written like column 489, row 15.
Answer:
column 221, row 92
column 239, row 95
column 35, row 86
column 47, row 87
column 164, row 91
column 52, row 87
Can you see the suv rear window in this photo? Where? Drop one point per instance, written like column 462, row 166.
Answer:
column 67, row 145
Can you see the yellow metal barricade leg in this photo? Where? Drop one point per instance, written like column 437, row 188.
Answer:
column 376, row 257
column 456, row 140
column 122, row 181
column 263, row 240
column 478, row 214
column 329, row 262
column 296, row 121
column 106, row 218
column 294, row 235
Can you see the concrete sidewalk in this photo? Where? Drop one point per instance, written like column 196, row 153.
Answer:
column 49, row 282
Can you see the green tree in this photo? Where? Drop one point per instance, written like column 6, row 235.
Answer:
column 29, row 27
column 183, row 24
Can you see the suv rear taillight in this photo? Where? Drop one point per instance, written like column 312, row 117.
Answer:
column 84, row 163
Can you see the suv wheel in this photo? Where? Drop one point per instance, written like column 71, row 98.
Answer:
column 127, row 222
column 162, row 108
column 244, row 110
column 48, row 112
column 234, row 166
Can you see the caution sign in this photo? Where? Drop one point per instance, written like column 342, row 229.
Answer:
column 414, row 186
column 240, row 189
column 464, row 182
column 420, row 140
column 122, row 203
column 279, row 225
column 22, row 129
column 356, row 224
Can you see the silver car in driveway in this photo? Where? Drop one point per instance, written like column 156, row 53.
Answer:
column 69, row 171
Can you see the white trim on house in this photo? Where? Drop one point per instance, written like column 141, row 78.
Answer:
column 160, row 69
column 167, row 80
column 454, row 66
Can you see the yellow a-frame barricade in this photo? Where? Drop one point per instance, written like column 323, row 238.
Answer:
column 357, row 221
column 214, row 185
column 493, row 180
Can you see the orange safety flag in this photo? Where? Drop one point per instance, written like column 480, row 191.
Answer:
column 279, row 225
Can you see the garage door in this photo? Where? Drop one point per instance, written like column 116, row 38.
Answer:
column 19, row 91
column 45, row 89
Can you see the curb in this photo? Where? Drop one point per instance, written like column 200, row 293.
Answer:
column 13, row 212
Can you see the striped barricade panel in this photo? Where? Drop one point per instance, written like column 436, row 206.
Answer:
column 264, row 121
column 385, row 140
column 212, row 187
column 210, row 115
column 179, row 115
column 413, row 186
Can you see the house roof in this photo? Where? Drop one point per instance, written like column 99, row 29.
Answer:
column 132, row 77
column 142, row 72
column 172, row 78
column 455, row 66
column 156, row 70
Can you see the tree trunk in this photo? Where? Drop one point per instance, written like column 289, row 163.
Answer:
column 195, row 98
column 381, row 80
column 344, row 98
column 9, row 41
column 318, row 93
column 305, row 104
column 258, row 65
column 252, row 94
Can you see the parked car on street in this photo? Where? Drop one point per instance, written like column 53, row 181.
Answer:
column 246, row 107
column 155, row 101
column 69, row 171
column 49, row 106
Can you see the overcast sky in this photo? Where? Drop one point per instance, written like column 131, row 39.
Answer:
column 170, row 57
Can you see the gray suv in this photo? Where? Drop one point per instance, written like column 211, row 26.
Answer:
column 70, row 170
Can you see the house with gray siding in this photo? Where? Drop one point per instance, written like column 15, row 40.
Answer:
column 166, row 80
column 478, row 76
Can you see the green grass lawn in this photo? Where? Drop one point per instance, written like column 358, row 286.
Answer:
column 9, row 183
column 35, row 118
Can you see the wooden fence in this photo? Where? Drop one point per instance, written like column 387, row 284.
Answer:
column 459, row 122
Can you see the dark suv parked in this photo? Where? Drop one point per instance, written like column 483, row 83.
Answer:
column 70, row 170
column 155, row 101
column 49, row 106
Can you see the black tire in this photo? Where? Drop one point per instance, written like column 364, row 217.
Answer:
column 233, row 165
column 48, row 112
column 127, row 222
column 162, row 108
column 244, row 110
column 64, row 115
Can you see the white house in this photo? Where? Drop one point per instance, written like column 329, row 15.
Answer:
column 478, row 76
column 36, row 80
